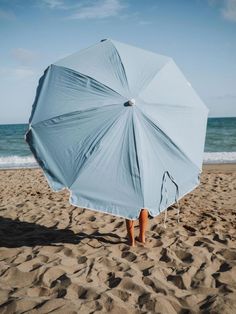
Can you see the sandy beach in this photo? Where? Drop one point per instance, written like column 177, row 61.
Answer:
column 56, row 258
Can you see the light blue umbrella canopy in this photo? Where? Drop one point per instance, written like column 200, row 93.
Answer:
column 120, row 127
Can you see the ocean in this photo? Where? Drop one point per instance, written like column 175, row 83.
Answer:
column 220, row 145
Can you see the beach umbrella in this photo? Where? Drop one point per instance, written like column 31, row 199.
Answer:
column 120, row 127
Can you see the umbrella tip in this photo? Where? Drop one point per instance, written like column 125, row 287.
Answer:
column 131, row 102
column 103, row 39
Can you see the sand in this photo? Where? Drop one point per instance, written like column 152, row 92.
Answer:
column 56, row 258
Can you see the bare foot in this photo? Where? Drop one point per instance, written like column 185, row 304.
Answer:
column 131, row 242
column 139, row 239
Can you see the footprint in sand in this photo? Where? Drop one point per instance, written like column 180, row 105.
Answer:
column 147, row 271
column 220, row 239
column 118, row 225
column 129, row 284
column 157, row 243
column 204, row 242
column 228, row 254
column 207, row 303
column 67, row 252
column 92, row 218
column 61, row 282
column 121, row 294
column 82, row 259
column 20, row 205
column 224, row 267
column 51, row 275
column 145, row 301
column 113, row 281
column 87, row 293
column 155, row 288
column 164, row 256
column 184, row 256
column 177, row 281
column 130, row 256
column 189, row 228
column 38, row 292
column 199, row 277
column 32, row 264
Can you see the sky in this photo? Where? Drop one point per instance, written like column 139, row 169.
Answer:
column 200, row 35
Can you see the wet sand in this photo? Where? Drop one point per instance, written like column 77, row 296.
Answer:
column 56, row 258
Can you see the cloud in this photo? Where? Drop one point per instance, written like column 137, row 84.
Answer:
column 6, row 15
column 55, row 4
column 86, row 9
column 229, row 10
column 22, row 73
column 24, row 56
column 98, row 10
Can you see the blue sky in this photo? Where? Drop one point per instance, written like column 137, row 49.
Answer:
column 200, row 35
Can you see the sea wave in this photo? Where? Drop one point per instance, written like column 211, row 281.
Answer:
column 219, row 157
column 13, row 162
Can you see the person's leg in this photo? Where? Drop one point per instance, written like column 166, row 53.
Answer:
column 143, row 221
column 130, row 231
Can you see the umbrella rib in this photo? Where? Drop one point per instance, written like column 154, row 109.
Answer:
column 150, row 80
column 47, row 73
column 96, row 136
column 108, row 127
column 76, row 112
column 166, row 137
column 38, row 91
column 122, row 66
column 138, row 157
column 29, row 137
column 166, row 105
column 89, row 77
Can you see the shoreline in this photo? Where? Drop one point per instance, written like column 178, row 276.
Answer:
column 28, row 162
column 219, row 166
column 227, row 166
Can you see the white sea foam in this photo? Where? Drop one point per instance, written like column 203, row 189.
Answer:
column 219, row 157
column 30, row 162
column 18, row 162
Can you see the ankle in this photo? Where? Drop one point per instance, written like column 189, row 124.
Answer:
column 141, row 238
column 131, row 241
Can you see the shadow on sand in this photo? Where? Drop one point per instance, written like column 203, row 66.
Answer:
column 16, row 233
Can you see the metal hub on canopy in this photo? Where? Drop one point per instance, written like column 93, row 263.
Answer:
column 131, row 102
